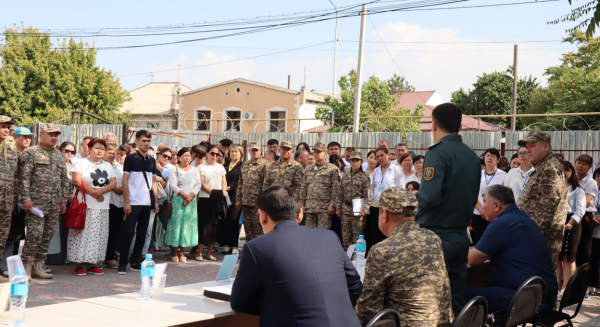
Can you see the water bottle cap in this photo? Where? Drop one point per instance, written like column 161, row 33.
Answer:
column 361, row 236
column 20, row 271
column 148, row 256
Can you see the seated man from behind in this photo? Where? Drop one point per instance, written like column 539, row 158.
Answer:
column 516, row 248
column 294, row 275
column 405, row 272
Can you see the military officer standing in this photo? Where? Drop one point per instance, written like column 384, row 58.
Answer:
column 405, row 272
column 8, row 182
column 252, row 177
column 285, row 171
column 544, row 197
column 449, row 191
column 320, row 191
column 44, row 185
column 355, row 185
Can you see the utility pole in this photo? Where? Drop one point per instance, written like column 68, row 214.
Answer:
column 334, row 62
column 513, row 119
column 361, row 49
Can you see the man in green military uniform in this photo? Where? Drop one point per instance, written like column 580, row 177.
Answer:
column 250, row 184
column 449, row 191
column 320, row 191
column 8, row 182
column 43, row 185
column 405, row 272
column 285, row 171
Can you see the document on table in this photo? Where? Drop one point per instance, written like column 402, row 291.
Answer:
column 34, row 211
column 357, row 206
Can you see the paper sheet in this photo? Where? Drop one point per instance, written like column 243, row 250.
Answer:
column 357, row 206
column 34, row 211
column 350, row 251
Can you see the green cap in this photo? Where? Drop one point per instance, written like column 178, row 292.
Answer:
column 535, row 136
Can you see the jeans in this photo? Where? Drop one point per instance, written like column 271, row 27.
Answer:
column 135, row 224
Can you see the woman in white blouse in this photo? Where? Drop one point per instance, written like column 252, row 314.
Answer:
column 184, row 182
column 568, row 252
column 382, row 178
column 406, row 163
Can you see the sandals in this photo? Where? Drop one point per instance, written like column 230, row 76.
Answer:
column 175, row 259
column 211, row 258
column 200, row 258
column 182, row 258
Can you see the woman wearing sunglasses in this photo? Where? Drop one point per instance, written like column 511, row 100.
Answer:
column 210, row 201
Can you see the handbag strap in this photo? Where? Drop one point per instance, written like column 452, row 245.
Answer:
column 83, row 191
column 144, row 172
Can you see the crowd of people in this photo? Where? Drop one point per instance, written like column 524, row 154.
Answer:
column 532, row 215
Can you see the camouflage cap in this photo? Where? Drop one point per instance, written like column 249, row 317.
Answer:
column 320, row 147
column 6, row 119
column 395, row 199
column 254, row 145
column 49, row 128
column 286, row 144
column 355, row 155
column 535, row 136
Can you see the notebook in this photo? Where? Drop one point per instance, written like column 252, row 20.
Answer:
column 227, row 267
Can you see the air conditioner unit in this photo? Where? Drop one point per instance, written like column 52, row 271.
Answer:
column 249, row 115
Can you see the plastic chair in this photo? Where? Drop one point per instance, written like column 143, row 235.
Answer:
column 375, row 321
column 574, row 294
column 525, row 304
column 474, row 314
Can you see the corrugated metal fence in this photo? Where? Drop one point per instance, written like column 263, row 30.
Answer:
column 570, row 143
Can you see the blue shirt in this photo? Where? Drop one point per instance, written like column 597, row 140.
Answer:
column 165, row 176
column 518, row 251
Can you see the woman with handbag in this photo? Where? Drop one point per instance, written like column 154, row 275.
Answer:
column 115, row 157
column 210, row 201
column 94, row 177
column 184, row 182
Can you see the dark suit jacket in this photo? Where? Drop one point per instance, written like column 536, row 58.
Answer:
column 297, row 276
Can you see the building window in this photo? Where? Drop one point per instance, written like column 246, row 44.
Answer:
column 203, row 120
column 153, row 125
column 233, row 125
column 277, row 125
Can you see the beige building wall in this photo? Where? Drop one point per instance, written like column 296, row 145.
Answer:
column 165, row 121
column 245, row 98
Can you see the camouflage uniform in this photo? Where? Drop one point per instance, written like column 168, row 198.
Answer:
column 249, row 186
column 43, row 181
column 8, row 185
column 290, row 175
column 406, row 272
column 354, row 186
column 544, row 197
column 320, row 189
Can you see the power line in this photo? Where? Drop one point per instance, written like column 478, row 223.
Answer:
column 386, row 49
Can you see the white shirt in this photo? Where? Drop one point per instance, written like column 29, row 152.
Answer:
column 94, row 175
column 392, row 177
column 412, row 178
column 516, row 180
column 186, row 181
column 115, row 199
column 576, row 203
column 497, row 178
column 589, row 185
column 213, row 176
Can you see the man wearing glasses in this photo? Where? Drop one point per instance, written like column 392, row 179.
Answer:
column 111, row 139
column 518, row 177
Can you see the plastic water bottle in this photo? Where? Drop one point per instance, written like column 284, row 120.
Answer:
column 361, row 250
column 19, row 288
column 147, row 278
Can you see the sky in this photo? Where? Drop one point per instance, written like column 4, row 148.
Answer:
column 447, row 50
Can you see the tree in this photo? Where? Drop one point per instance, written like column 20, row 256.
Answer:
column 492, row 95
column 398, row 84
column 42, row 84
column 376, row 101
column 573, row 87
column 580, row 12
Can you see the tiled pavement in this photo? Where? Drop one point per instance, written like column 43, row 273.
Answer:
column 65, row 286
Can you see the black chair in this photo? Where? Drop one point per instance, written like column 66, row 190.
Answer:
column 377, row 322
column 574, row 294
column 474, row 314
column 525, row 304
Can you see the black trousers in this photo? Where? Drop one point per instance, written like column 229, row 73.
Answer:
column 140, row 215
column 115, row 218
column 479, row 226
column 595, row 262
column 336, row 226
column 584, row 251
column 373, row 234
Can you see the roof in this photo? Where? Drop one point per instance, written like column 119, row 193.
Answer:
column 410, row 100
column 154, row 98
column 468, row 123
column 318, row 129
column 245, row 81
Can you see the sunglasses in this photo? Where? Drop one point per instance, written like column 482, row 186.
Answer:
column 215, row 154
column 70, row 152
column 111, row 144
column 166, row 157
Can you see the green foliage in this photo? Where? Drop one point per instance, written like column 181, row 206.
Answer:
column 574, row 86
column 376, row 101
column 590, row 23
column 42, row 84
column 492, row 95
column 398, row 84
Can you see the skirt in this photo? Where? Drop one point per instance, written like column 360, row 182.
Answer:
column 570, row 243
column 89, row 245
column 182, row 229
column 207, row 221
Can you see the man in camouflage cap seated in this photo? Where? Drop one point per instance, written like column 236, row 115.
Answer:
column 405, row 272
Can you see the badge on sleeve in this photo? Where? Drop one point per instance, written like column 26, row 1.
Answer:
column 428, row 173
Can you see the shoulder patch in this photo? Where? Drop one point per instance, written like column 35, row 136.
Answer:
column 428, row 173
